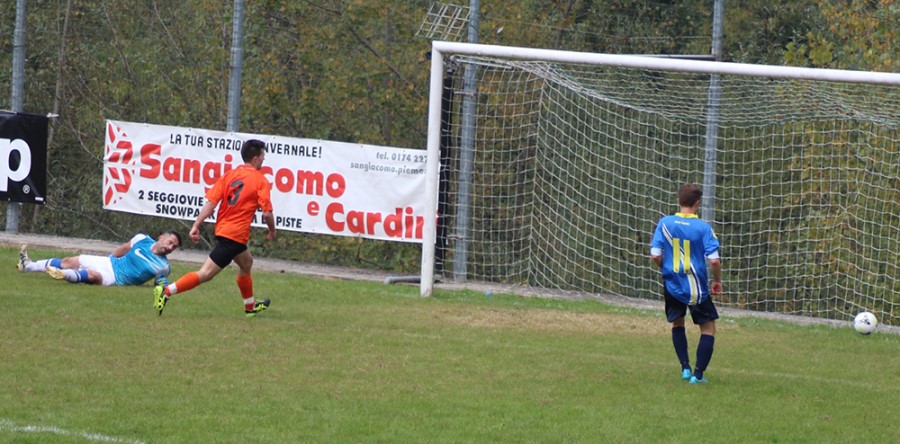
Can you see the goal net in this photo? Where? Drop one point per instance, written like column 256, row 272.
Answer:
column 558, row 172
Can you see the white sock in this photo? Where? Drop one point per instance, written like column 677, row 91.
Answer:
column 72, row 276
column 37, row 266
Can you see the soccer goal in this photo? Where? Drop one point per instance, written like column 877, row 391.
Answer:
column 554, row 172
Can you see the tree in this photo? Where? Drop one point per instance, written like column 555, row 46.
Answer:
column 759, row 32
column 854, row 34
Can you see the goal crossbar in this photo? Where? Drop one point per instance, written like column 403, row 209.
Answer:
column 442, row 49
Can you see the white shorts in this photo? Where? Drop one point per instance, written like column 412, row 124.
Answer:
column 100, row 264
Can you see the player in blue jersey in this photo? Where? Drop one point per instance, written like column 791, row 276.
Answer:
column 681, row 247
column 132, row 263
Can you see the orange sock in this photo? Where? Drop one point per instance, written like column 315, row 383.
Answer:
column 184, row 283
column 245, row 284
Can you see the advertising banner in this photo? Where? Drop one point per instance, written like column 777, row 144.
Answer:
column 318, row 186
column 23, row 157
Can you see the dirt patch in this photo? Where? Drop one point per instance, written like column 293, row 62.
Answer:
column 555, row 321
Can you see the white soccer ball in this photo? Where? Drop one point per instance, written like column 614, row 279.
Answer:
column 865, row 323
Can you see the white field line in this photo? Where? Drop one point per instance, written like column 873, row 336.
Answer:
column 9, row 426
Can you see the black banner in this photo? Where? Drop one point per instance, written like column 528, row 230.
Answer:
column 23, row 157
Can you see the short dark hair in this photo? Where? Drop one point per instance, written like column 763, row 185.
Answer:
column 251, row 149
column 689, row 194
column 174, row 233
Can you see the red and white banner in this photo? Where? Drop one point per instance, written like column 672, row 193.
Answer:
column 318, row 186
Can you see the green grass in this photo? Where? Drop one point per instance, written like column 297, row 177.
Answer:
column 340, row 361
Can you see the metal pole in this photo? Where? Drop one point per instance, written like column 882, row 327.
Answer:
column 432, row 166
column 713, row 101
column 18, row 92
column 467, row 154
column 237, row 67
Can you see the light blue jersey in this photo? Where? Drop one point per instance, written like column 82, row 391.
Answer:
column 685, row 242
column 139, row 265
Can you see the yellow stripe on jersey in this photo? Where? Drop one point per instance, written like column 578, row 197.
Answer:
column 687, row 255
column 695, row 291
column 676, row 254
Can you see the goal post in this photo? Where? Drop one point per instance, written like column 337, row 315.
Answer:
column 579, row 154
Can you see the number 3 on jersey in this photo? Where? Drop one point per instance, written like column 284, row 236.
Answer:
column 235, row 192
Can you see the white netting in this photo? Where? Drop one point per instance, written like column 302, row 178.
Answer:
column 445, row 22
column 575, row 164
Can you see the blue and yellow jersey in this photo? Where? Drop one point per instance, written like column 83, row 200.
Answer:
column 685, row 242
column 139, row 265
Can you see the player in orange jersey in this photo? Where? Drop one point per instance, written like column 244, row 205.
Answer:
column 238, row 194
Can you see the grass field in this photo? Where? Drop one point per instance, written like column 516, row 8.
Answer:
column 341, row 361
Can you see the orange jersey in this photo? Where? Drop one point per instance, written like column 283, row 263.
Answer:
column 239, row 193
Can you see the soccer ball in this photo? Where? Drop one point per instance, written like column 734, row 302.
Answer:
column 865, row 323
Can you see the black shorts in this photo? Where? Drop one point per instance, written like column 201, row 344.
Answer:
column 700, row 313
column 225, row 251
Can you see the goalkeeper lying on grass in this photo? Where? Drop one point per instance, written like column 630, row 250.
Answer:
column 132, row 263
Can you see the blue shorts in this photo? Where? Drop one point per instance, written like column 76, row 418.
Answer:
column 700, row 313
column 225, row 251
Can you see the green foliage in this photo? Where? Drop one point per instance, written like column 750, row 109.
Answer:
column 759, row 32
column 353, row 252
column 349, row 71
column 344, row 70
column 620, row 26
column 856, row 34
